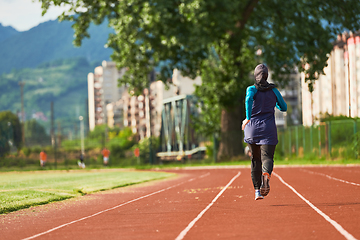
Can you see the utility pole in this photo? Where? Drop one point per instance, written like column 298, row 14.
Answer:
column 52, row 132
column 106, row 123
column 87, row 116
column 21, row 84
column 82, row 134
column 151, row 79
column 75, row 130
column 348, row 75
column 52, row 123
column 215, row 142
column 58, row 142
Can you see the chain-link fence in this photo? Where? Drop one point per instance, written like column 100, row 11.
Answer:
column 330, row 139
column 64, row 152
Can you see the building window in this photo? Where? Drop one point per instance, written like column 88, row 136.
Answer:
column 133, row 122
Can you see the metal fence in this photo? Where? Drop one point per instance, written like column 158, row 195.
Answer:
column 331, row 139
column 64, row 152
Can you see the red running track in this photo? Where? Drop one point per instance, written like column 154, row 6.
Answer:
column 304, row 203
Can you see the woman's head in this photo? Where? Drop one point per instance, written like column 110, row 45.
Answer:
column 261, row 74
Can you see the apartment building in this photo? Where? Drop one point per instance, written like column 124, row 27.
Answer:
column 143, row 113
column 335, row 93
column 103, row 89
column 115, row 113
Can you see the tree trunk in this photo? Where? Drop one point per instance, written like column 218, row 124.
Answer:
column 231, row 143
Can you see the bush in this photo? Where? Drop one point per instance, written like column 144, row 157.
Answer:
column 117, row 152
column 356, row 144
column 27, row 151
column 144, row 148
column 36, row 149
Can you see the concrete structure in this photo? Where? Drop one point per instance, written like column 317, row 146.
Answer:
column 336, row 92
column 136, row 109
column 115, row 114
column 103, row 89
column 178, row 140
column 180, row 86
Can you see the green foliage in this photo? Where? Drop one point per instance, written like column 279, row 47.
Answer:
column 4, row 139
column 144, row 148
column 126, row 138
column 184, row 33
column 121, row 143
column 339, row 136
column 98, row 132
column 222, row 87
column 342, row 131
column 356, row 145
column 35, row 133
column 36, row 149
column 210, row 150
column 26, row 151
column 327, row 117
column 217, row 39
column 17, row 163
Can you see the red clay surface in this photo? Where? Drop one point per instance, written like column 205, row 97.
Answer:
column 164, row 209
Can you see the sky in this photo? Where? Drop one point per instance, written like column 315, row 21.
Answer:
column 25, row 14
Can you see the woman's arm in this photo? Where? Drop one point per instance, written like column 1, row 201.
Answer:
column 280, row 103
column 249, row 99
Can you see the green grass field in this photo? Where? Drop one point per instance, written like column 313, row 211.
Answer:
column 20, row 190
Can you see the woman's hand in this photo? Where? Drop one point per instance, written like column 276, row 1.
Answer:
column 246, row 121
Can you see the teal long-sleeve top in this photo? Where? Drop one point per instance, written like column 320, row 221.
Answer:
column 260, row 109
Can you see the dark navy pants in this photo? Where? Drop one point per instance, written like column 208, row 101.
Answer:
column 262, row 160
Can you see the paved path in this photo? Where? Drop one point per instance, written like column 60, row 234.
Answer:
column 304, row 203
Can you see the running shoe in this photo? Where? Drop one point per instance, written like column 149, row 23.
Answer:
column 265, row 184
column 258, row 195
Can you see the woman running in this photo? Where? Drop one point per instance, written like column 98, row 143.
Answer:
column 260, row 129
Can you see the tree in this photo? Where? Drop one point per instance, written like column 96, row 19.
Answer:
column 221, row 40
column 35, row 133
column 4, row 139
column 10, row 129
column 124, row 140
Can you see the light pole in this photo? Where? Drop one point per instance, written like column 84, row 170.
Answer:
column 151, row 79
column 21, row 84
column 9, row 134
column 82, row 134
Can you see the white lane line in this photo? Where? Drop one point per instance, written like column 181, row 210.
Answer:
column 338, row 227
column 109, row 209
column 330, row 177
column 192, row 223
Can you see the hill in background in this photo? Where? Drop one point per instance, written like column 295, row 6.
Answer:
column 63, row 82
column 49, row 41
column 7, row 32
column 53, row 70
